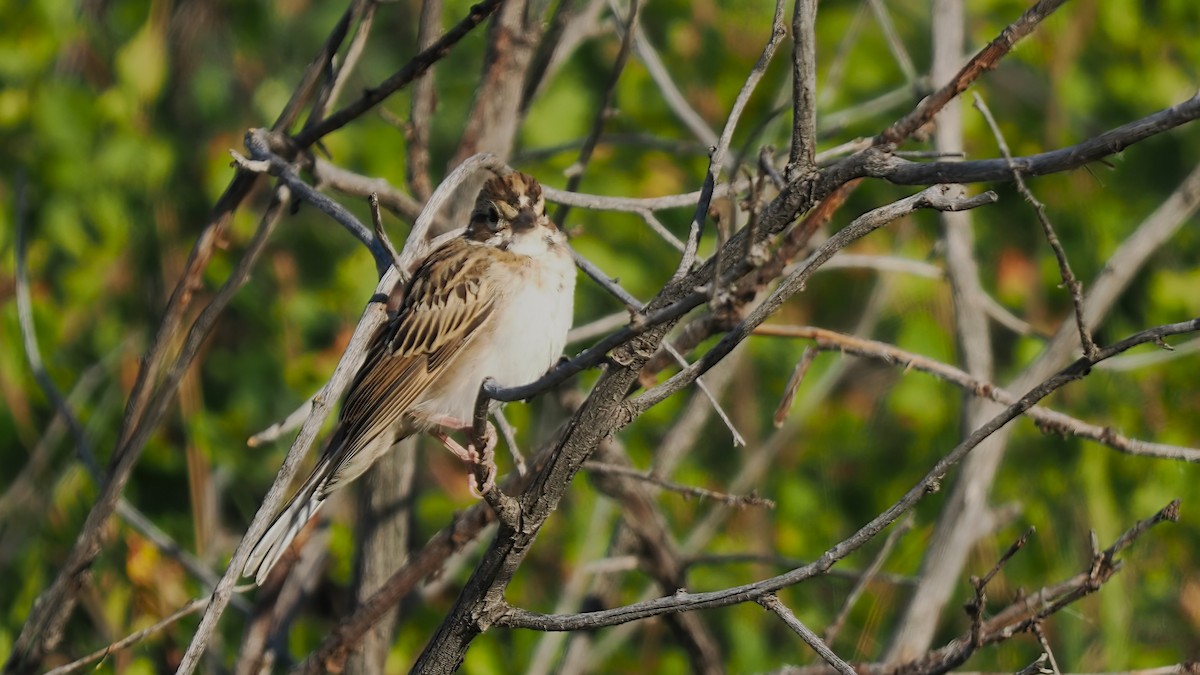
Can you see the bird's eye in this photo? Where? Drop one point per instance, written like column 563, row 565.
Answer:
column 493, row 217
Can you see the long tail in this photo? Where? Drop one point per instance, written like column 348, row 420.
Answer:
column 271, row 547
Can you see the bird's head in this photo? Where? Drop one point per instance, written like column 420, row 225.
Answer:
column 510, row 213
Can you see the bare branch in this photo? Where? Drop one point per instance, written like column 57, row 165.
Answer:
column 868, row 575
column 942, row 198
column 985, row 60
column 268, row 162
column 340, row 72
column 373, row 316
column 895, row 45
column 793, row 384
column 903, row 172
column 575, row 171
column 772, row 603
column 379, row 231
column 131, row 639
column 685, row 490
column 1064, row 268
column 43, row 628
column 412, row 70
column 717, row 159
column 671, row 94
column 804, row 89
column 326, row 173
column 424, row 101
column 1048, row 420
column 461, row 531
column 685, row 601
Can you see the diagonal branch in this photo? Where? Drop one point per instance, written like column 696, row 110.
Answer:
column 1049, row 421
column 373, row 316
column 1064, row 267
column 983, row 61
column 411, row 71
column 683, row 601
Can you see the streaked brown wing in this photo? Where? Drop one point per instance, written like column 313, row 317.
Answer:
column 446, row 301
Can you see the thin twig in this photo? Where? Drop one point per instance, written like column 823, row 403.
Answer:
column 738, row 439
column 978, row 605
column 717, row 157
column 868, row 575
column 848, row 574
column 287, row 424
column 131, row 639
column 772, row 603
column 1029, row 609
column 1040, row 634
column 903, row 172
column 44, row 628
column 984, row 60
column 83, row 448
column 629, row 204
column 942, row 198
column 327, row 174
column 510, row 439
column 332, row 90
column 424, row 102
column 575, row 171
column 793, row 384
column 265, row 161
column 670, row 92
column 520, row 618
column 686, row 490
column 895, row 44
column 661, row 230
column 1049, row 421
column 1064, row 267
column 412, row 70
column 380, row 232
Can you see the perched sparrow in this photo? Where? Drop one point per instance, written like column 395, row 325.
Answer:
column 495, row 302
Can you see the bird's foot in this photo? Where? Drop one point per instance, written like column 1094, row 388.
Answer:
column 483, row 460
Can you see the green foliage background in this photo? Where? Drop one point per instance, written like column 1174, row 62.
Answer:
column 118, row 117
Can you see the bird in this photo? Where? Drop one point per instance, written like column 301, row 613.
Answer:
column 495, row 302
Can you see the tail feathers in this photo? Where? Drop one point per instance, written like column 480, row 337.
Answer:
column 271, row 547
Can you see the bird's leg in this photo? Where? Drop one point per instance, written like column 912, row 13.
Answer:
column 485, row 457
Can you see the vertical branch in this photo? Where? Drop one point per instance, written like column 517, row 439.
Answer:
column 962, row 523
column 496, row 113
column 804, row 87
column 382, row 533
column 424, row 100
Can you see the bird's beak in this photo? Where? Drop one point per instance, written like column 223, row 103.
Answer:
column 526, row 219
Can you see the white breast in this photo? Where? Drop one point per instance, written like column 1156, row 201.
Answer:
column 523, row 339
